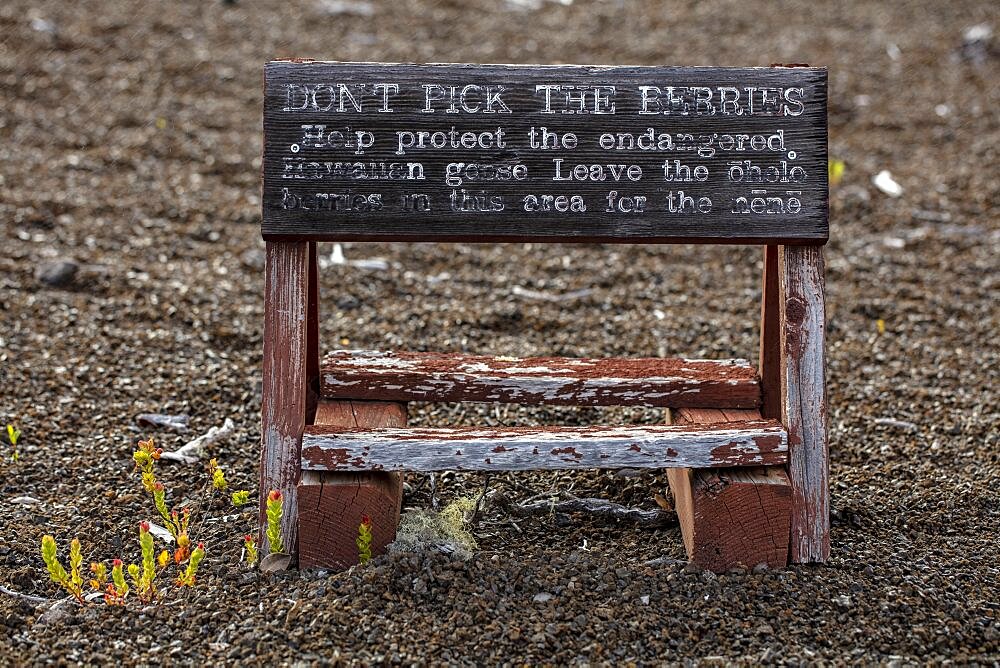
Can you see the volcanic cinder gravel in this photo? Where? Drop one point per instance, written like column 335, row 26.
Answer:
column 130, row 282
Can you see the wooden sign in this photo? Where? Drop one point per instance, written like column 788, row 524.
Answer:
column 365, row 151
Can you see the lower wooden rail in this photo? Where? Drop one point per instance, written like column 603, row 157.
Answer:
column 748, row 443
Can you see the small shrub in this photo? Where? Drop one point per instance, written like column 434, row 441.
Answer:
column 13, row 434
column 274, row 501
column 117, row 589
column 241, row 498
column 143, row 574
column 186, row 579
column 250, row 545
column 159, row 500
column 144, row 578
column 364, row 541
column 72, row 582
column 144, row 458
column 218, row 477
column 175, row 522
column 100, row 579
column 179, row 529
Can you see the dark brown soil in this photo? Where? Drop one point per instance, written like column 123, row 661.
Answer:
column 129, row 144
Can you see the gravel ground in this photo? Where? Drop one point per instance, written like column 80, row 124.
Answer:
column 130, row 282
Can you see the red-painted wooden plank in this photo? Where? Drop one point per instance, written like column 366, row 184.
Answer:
column 403, row 376
column 804, row 400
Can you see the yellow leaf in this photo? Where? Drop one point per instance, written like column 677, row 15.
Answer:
column 836, row 170
column 880, row 326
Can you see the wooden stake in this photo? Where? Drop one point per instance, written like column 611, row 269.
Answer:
column 283, row 402
column 733, row 516
column 803, row 409
column 333, row 504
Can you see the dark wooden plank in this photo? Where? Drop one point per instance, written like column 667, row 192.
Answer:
column 804, row 400
column 334, row 172
column 402, row 376
column 284, row 386
column 518, row 449
column 731, row 516
column 770, row 337
column 333, row 504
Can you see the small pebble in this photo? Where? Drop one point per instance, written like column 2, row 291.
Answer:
column 57, row 273
column 254, row 259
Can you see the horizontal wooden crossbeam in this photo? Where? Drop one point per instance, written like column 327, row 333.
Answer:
column 751, row 443
column 401, row 376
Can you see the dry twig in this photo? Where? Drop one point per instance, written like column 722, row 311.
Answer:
column 191, row 452
column 26, row 597
column 599, row 508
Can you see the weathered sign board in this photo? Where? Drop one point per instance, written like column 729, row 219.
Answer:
column 364, row 151
column 371, row 151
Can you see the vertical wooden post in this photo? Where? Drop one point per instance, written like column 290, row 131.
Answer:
column 803, row 408
column 285, row 380
column 770, row 337
column 312, row 337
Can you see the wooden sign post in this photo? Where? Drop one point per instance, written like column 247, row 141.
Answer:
column 383, row 152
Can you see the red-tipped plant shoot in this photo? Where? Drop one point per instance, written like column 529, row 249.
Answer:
column 143, row 578
column 186, row 579
column 117, row 589
column 250, row 545
column 274, row 510
column 364, row 541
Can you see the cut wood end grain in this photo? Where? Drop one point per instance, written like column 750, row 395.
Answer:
column 333, row 504
column 734, row 517
column 731, row 516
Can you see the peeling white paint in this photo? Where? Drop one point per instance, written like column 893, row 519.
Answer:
column 330, row 379
column 475, row 366
column 533, row 369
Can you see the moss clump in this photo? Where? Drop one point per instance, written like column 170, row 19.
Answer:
column 446, row 531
